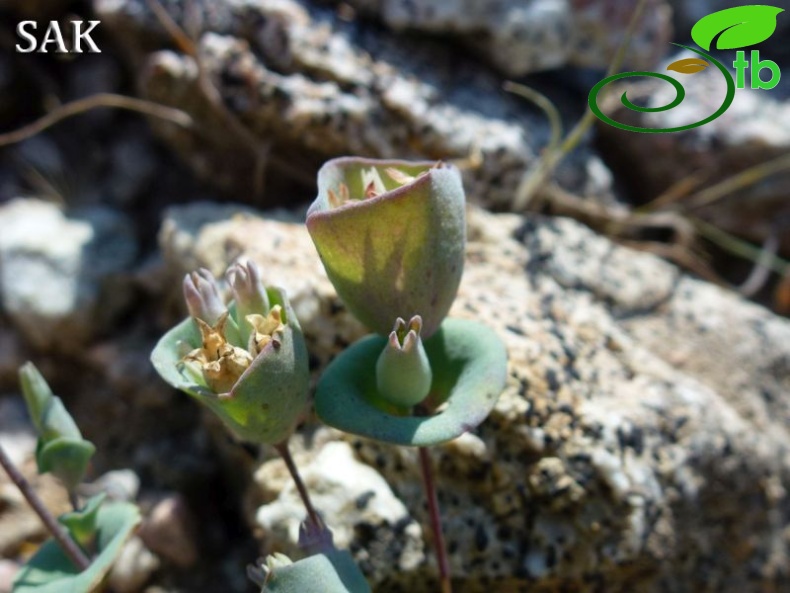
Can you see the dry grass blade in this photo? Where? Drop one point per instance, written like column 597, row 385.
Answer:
column 738, row 181
column 551, row 159
column 94, row 102
column 740, row 247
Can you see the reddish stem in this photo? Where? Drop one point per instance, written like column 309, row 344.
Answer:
column 436, row 522
column 62, row 537
column 312, row 515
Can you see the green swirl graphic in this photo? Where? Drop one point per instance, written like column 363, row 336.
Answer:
column 680, row 95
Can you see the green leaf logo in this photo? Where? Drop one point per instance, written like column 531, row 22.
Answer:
column 736, row 27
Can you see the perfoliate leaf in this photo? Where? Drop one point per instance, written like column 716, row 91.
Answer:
column 469, row 364
column 738, row 27
column 330, row 572
column 50, row 570
column 391, row 237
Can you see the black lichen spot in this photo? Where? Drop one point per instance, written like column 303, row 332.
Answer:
column 481, row 538
column 363, row 499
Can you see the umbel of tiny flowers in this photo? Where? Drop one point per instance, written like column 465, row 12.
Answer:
column 246, row 361
column 391, row 237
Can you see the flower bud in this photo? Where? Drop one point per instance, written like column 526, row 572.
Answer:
column 202, row 296
column 391, row 236
column 248, row 293
column 403, row 373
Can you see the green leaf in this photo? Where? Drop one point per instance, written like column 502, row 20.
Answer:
column 50, row 570
column 739, row 26
column 67, row 459
column 330, row 572
column 83, row 524
column 469, row 364
column 36, row 392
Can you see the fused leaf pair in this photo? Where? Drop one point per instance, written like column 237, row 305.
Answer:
column 50, row 571
column 61, row 449
column 391, row 236
column 98, row 528
column 327, row 569
column 246, row 361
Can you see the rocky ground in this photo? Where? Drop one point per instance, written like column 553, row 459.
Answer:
column 642, row 441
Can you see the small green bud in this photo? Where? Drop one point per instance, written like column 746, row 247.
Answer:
column 391, row 236
column 403, row 373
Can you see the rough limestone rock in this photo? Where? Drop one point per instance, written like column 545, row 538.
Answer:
column 641, row 443
column 56, row 270
column 289, row 83
column 520, row 37
column 753, row 130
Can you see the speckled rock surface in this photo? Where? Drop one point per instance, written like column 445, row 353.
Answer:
column 290, row 83
column 641, row 443
column 521, row 37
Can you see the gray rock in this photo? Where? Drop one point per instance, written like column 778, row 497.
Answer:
column 644, row 422
column 56, row 268
column 297, row 78
column 521, row 37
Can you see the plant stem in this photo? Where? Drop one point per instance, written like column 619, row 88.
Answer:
column 436, row 522
column 69, row 547
column 74, row 500
column 312, row 515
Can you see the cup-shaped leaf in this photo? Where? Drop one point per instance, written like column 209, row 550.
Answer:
column 329, row 572
column 51, row 571
column 61, row 449
column 469, row 364
column 736, row 27
column 269, row 397
column 391, row 236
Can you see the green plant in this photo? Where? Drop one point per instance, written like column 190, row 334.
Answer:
column 391, row 236
column 87, row 541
